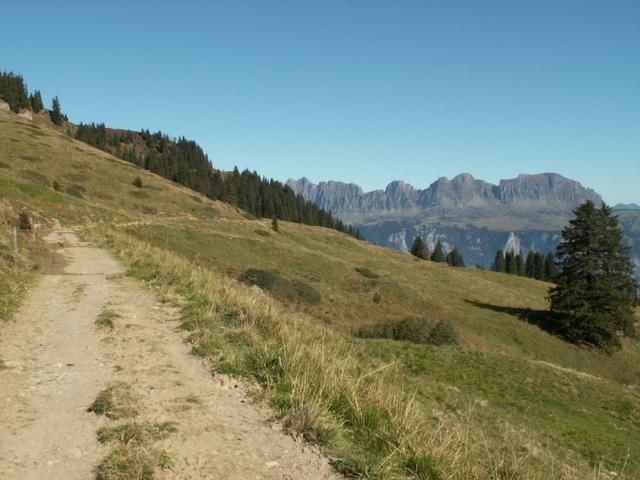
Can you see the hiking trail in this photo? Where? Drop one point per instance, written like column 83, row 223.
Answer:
column 56, row 360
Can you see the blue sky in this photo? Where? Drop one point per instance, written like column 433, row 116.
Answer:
column 359, row 91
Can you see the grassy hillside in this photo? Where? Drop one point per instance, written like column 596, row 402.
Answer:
column 512, row 401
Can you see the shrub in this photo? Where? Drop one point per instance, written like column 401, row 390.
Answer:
column 365, row 272
column 274, row 224
column 137, row 182
column 415, row 330
column 443, row 333
column 24, row 222
column 56, row 186
column 271, row 281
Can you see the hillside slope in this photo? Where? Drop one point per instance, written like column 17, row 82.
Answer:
column 500, row 405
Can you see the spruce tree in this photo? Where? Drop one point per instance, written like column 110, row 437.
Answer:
column 550, row 268
column 454, row 258
column 529, row 264
column 538, row 266
column 499, row 262
column 274, row 224
column 510, row 263
column 595, row 291
column 438, row 253
column 56, row 112
column 519, row 265
column 419, row 249
column 36, row 101
column 13, row 90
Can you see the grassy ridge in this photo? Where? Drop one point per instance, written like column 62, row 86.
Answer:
column 513, row 402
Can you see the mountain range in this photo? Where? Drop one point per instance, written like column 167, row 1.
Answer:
column 520, row 214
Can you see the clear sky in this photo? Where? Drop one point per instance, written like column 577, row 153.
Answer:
column 355, row 90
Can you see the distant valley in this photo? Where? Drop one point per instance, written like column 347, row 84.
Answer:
column 520, row 214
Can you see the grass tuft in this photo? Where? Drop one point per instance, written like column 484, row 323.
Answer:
column 143, row 433
column 132, row 462
column 116, row 401
column 106, row 317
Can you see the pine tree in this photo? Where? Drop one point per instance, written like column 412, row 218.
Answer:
column 438, row 253
column 13, row 90
column 36, row 101
column 454, row 258
column 529, row 264
column 274, row 224
column 419, row 249
column 519, row 269
column 538, row 266
column 510, row 263
column 550, row 268
column 595, row 290
column 56, row 112
column 499, row 262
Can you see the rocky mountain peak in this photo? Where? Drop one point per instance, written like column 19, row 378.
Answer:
column 548, row 190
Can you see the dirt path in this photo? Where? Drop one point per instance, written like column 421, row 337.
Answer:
column 56, row 360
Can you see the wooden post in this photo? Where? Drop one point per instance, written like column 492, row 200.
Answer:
column 15, row 240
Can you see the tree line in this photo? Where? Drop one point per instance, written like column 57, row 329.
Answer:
column 185, row 162
column 536, row 265
column 13, row 90
column 420, row 250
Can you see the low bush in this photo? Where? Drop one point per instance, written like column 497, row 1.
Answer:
column 271, row 281
column 137, row 182
column 24, row 222
column 443, row 333
column 415, row 330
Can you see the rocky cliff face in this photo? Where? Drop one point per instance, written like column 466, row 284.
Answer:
column 548, row 190
column 519, row 214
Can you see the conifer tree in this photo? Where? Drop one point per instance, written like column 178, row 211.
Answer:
column 538, row 266
column 510, row 263
column 36, row 102
column 454, row 258
column 550, row 268
column 13, row 90
column 274, row 224
column 519, row 268
column 438, row 253
column 419, row 249
column 529, row 264
column 595, row 291
column 56, row 112
column 499, row 262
